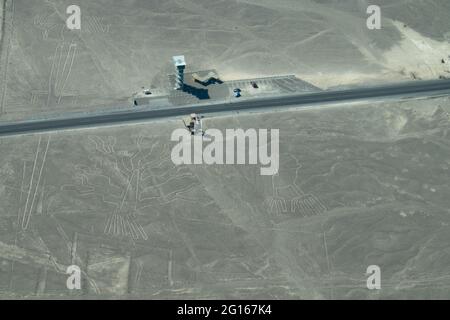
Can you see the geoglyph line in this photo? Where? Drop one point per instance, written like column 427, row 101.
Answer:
column 28, row 209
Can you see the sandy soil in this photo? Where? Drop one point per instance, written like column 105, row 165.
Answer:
column 124, row 45
column 358, row 185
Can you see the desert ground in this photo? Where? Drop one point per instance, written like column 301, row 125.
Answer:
column 358, row 185
column 45, row 68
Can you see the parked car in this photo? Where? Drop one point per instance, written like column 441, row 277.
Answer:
column 237, row 92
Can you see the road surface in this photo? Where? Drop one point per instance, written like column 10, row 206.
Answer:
column 401, row 90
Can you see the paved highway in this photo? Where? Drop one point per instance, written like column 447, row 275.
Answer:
column 401, row 90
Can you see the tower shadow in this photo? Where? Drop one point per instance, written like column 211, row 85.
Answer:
column 211, row 80
column 199, row 93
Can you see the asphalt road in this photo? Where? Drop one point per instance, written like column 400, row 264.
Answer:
column 401, row 90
